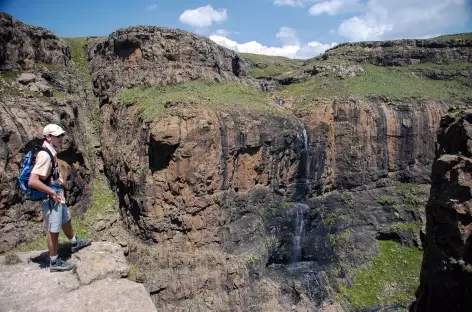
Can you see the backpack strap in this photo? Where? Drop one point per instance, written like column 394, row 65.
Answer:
column 54, row 164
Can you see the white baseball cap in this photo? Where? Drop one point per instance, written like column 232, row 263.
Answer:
column 53, row 129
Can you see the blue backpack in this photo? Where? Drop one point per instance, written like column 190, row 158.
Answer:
column 27, row 165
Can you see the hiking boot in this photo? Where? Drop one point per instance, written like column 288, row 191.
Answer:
column 60, row 265
column 79, row 244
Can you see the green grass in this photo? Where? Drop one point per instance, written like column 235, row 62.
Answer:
column 55, row 67
column 394, row 83
column 286, row 205
column 37, row 243
column 218, row 96
column 267, row 66
column 448, row 68
column 134, row 272
column 59, row 94
column 402, row 84
column 410, row 193
column 77, row 50
column 392, row 279
column 387, row 200
column 102, row 197
column 9, row 76
column 412, row 226
column 455, row 36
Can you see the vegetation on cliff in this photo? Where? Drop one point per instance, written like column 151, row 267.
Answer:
column 222, row 96
column 395, row 83
column 77, row 51
column 455, row 36
column 391, row 280
column 264, row 66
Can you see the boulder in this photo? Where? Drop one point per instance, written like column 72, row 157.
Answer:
column 28, row 285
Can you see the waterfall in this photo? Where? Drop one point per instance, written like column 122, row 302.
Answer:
column 305, row 152
column 299, row 220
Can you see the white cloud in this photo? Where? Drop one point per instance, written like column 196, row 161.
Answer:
column 313, row 49
column 255, row 47
column 222, row 32
column 151, row 7
column 203, row 17
column 292, row 3
column 363, row 29
column 288, row 36
column 334, row 7
column 291, row 46
column 396, row 19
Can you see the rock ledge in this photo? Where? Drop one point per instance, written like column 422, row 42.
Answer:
column 26, row 284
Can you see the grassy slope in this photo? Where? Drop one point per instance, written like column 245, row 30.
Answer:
column 391, row 280
column 264, row 66
column 219, row 96
column 455, row 36
column 394, row 82
column 78, row 56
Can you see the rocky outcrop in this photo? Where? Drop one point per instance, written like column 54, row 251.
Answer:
column 97, row 284
column 447, row 263
column 340, row 70
column 145, row 55
column 358, row 143
column 404, row 52
column 22, row 45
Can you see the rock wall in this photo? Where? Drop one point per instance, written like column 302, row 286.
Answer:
column 212, row 189
column 145, row 55
column 359, row 144
column 21, row 45
column 404, row 52
column 445, row 274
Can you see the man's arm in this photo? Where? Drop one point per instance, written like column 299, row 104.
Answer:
column 36, row 183
column 40, row 171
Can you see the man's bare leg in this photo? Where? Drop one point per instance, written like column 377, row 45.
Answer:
column 53, row 240
column 67, row 228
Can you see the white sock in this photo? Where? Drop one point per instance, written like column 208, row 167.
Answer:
column 73, row 240
column 53, row 258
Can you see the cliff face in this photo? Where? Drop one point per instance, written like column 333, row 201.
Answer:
column 211, row 190
column 21, row 45
column 404, row 52
column 359, row 144
column 241, row 200
column 445, row 273
column 157, row 55
column 215, row 188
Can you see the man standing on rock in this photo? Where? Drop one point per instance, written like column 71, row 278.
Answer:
column 54, row 209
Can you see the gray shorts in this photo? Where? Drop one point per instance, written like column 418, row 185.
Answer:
column 54, row 216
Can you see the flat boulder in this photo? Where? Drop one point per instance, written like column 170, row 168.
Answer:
column 26, row 284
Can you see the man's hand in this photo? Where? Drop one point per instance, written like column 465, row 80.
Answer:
column 54, row 198
column 36, row 183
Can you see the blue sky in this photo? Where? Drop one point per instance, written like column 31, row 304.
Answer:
column 293, row 28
